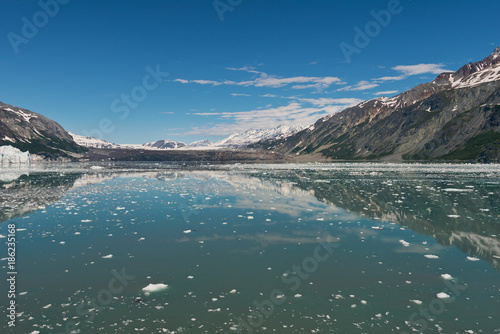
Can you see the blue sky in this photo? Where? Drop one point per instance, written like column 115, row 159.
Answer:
column 138, row 71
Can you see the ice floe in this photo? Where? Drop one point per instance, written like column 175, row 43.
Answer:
column 154, row 288
column 431, row 256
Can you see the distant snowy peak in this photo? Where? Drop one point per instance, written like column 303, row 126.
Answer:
column 254, row 135
column 201, row 143
column 165, row 144
column 237, row 139
column 92, row 142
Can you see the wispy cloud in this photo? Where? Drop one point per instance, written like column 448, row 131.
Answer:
column 167, row 112
column 324, row 101
column 238, row 94
column 271, row 81
column 420, row 69
column 387, row 92
column 362, row 85
column 395, row 78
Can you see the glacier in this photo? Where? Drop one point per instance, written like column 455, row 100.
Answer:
column 10, row 155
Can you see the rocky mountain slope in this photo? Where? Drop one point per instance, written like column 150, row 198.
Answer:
column 454, row 117
column 29, row 131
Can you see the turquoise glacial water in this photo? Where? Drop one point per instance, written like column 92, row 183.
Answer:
column 316, row 248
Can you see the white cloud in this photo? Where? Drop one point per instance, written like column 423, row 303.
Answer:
column 420, row 69
column 387, row 92
column 167, row 112
column 324, row 101
column 362, row 85
column 238, row 94
column 268, row 95
column 272, row 81
column 396, row 78
column 248, row 69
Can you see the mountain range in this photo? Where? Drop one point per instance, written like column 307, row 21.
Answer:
column 454, row 117
column 235, row 140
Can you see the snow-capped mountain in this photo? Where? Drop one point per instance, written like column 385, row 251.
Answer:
column 201, row 143
column 165, row 144
column 238, row 139
column 92, row 142
column 473, row 74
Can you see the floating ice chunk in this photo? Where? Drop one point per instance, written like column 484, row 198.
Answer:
column 109, row 256
column 446, row 276
column 363, row 302
column 298, row 295
column 416, row 301
column 187, row 231
column 47, row 306
column 250, row 217
column 431, row 256
column 353, row 305
column 35, row 332
column 454, row 216
column 86, row 220
column 443, row 295
column 154, row 288
column 142, row 238
column 2, row 236
column 120, row 208
column 77, row 233
column 190, row 277
column 233, row 291
column 62, row 242
column 22, row 293
column 456, row 190
column 404, row 243
column 472, row 258
column 378, row 315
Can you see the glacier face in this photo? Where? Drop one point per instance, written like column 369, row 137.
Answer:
column 10, row 155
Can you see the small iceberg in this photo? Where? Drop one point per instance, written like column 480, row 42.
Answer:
column 154, row 288
column 443, row 295
column 431, row 256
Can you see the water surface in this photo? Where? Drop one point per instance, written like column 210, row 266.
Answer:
column 340, row 248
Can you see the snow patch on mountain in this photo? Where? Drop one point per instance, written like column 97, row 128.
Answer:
column 22, row 114
column 477, row 78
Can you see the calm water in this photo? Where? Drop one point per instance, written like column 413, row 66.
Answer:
column 329, row 248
